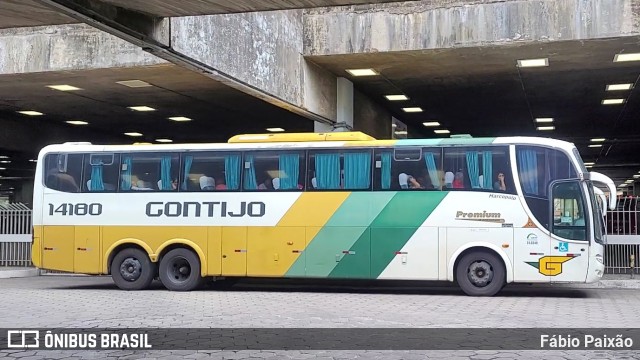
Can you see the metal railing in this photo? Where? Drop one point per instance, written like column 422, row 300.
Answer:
column 15, row 235
column 623, row 240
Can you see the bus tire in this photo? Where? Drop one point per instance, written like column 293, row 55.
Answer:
column 180, row 270
column 481, row 273
column 131, row 269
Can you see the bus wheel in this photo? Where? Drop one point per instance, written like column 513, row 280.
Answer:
column 180, row 270
column 131, row 269
column 480, row 273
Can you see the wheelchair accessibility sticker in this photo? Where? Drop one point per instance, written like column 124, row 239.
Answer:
column 563, row 246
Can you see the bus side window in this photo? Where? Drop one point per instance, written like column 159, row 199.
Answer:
column 274, row 171
column 101, row 172
column 63, row 172
column 147, row 171
column 340, row 169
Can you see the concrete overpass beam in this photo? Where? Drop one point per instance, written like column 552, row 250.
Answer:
column 420, row 25
column 257, row 53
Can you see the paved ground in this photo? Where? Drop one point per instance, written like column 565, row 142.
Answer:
column 94, row 302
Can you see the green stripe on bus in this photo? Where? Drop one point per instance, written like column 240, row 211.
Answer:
column 340, row 233
column 389, row 232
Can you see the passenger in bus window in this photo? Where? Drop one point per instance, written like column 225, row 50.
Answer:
column 207, row 183
column 408, row 182
column 458, row 181
column 221, row 185
column 500, row 184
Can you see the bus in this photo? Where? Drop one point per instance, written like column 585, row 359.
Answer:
column 480, row 212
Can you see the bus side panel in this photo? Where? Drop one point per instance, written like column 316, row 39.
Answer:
column 234, row 251
column 57, row 245
column 405, row 253
column 87, row 251
column 214, row 251
column 36, row 247
column 501, row 238
column 272, row 250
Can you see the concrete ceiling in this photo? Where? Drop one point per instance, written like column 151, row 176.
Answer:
column 218, row 111
column 482, row 92
column 19, row 13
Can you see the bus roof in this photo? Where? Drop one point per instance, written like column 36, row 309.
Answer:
column 311, row 140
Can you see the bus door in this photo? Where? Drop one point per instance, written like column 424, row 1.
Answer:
column 568, row 258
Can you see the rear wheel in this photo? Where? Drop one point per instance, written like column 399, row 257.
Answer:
column 481, row 273
column 180, row 270
column 131, row 269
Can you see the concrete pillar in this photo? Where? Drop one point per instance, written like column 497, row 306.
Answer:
column 344, row 105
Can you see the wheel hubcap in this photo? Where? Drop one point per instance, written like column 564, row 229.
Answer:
column 130, row 269
column 179, row 270
column 480, row 273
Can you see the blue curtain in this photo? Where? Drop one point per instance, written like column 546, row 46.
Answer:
column 232, row 171
column 126, row 173
column 385, row 176
column 430, row 161
column 487, row 169
column 357, row 170
column 250, row 182
column 188, row 160
column 290, row 168
column 528, row 171
column 328, row 171
column 472, row 168
column 97, row 183
column 165, row 172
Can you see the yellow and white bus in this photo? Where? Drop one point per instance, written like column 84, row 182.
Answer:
column 483, row 212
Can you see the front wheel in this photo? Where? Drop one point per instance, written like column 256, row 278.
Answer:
column 180, row 270
column 131, row 269
column 481, row 273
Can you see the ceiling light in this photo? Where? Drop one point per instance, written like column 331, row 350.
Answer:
column 598, row 139
column 133, row 134
column 589, row 163
column 4, row 157
column 164, row 140
column 588, row 166
column 141, row 108
column 412, row 109
column 441, row 131
column 275, row 129
column 629, row 181
column 142, row 143
column 544, row 120
column 626, row 57
column 362, row 72
column 33, row 160
column 77, row 122
column 396, row 97
column 134, row 83
column 401, row 132
column 31, row 113
column 533, row 62
column 431, row 123
column 63, row 87
column 546, row 128
column 612, row 101
column 179, row 118
column 1, row 168
column 595, row 145
column 636, row 176
column 5, row 161
column 616, row 87
column 622, row 185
